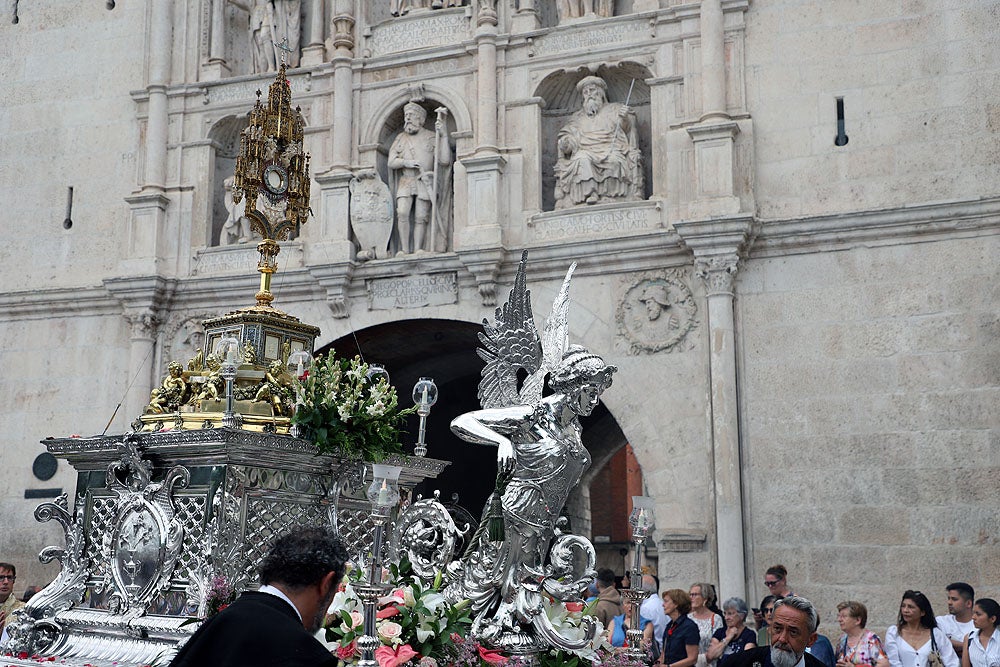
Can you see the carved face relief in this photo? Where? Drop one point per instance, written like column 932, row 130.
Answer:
column 656, row 313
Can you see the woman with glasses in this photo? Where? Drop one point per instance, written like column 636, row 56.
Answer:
column 915, row 636
column 982, row 646
column 776, row 581
column 702, row 602
column 735, row 637
column 763, row 616
column 857, row 646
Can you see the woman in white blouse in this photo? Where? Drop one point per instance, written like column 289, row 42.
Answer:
column 982, row 646
column 911, row 640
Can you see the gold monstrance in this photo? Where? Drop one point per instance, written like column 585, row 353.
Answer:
column 250, row 347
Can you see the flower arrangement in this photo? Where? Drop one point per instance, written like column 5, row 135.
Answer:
column 220, row 595
column 413, row 622
column 418, row 626
column 347, row 414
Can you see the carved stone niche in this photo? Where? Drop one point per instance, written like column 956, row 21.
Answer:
column 225, row 137
column 439, row 234
column 563, row 100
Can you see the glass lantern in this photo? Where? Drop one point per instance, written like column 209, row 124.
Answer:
column 299, row 364
column 425, row 395
column 383, row 492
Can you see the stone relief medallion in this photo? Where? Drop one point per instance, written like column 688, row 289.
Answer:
column 656, row 313
column 184, row 337
column 371, row 215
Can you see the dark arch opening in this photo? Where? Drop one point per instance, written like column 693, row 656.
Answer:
column 446, row 351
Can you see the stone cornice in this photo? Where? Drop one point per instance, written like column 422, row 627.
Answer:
column 57, row 302
column 924, row 222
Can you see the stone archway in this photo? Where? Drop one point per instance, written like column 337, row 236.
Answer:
column 446, row 351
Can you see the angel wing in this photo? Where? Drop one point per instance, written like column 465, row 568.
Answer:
column 510, row 345
column 555, row 340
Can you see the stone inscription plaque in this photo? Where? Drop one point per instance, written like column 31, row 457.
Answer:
column 412, row 291
column 419, row 32
column 604, row 222
column 591, row 38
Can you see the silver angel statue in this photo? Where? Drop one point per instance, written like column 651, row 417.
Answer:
column 541, row 458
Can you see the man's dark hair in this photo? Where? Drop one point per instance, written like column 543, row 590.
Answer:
column 303, row 557
column 9, row 566
column 960, row 587
column 606, row 577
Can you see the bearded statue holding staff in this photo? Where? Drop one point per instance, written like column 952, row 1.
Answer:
column 599, row 158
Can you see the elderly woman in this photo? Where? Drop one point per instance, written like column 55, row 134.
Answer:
column 910, row 642
column 857, row 646
column 702, row 602
column 735, row 637
column 680, row 639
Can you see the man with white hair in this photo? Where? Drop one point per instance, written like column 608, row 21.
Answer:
column 793, row 629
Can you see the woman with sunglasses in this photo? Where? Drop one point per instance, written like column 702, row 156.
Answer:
column 764, row 613
column 776, row 580
column 910, row 642
column 982, row 646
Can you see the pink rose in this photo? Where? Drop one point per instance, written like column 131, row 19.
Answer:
column 390, row 630
column 357, row 618
column 574, row 606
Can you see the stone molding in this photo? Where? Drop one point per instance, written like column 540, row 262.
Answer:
column 642, row 252
column 895, row 225
column 718, row 245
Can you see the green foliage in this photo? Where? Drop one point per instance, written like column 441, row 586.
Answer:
column 347, row 415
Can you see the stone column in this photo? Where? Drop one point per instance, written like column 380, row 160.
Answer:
column 159, row 78
column 718, row 246
column 713, row 60
column 314, row 52
column 143, row 325
column 486, row 108
column 144, row 301
column 343, row 54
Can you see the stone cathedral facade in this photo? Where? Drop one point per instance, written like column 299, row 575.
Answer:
column 785, row 214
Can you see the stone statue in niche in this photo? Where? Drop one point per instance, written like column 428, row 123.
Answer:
column 236, row 228
column 598, row 148
column 272, row 21
column 371, row 214
column 574, row 9
column 401, row 7
column 420, row 179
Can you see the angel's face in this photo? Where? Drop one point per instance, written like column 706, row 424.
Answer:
column 587, row 398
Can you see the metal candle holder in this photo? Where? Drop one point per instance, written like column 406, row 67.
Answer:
column 641, row 521
column 383, row 493
column 425, row 395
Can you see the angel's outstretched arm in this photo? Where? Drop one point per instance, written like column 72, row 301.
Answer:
column 492, row 427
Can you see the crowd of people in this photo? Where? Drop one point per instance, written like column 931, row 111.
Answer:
column 680, row 628
column 689, row 629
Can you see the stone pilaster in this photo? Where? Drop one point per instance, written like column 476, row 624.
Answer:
column 718, row 246
column 525, row 17
column 314, row 52
column 159, row 50
column 144, row 302
column 216, row 67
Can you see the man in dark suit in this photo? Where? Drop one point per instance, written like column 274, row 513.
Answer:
column 793, row 628
column 276, row 624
